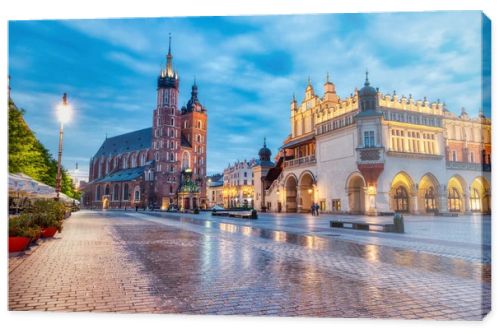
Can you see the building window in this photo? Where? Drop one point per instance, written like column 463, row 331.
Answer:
column 453, row 155
column 454, row 200
column 430, row 200
column 472, row 157
column 369, row 138
column 336, row 205
column 137, row 196
column 475, row 200
column 115, row 193
column 125, row 192
column 401, row 200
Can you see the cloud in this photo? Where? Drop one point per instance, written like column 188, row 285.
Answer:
column 247, row 69
column 138, row 65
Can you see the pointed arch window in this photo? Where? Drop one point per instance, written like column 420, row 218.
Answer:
column 475, row 200
column 401, row 200
column 185, row 160
column 454, row 200
column 430, row 200
column 116, row 192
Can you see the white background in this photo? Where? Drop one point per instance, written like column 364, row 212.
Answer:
column 36, row 322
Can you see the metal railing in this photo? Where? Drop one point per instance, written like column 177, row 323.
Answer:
column 300, row 161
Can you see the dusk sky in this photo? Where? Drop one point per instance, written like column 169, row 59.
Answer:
column 246, row 68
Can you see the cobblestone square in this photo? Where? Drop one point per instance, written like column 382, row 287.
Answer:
column 279, row 265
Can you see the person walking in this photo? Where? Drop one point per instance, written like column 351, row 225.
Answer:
column 312, row 209
column 317, row 209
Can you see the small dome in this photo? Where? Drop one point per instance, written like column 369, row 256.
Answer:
column 265, row 153
column 367, row 90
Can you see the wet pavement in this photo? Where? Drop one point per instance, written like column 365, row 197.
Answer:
column 157, row 262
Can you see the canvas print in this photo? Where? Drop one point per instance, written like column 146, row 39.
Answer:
column 333, row 165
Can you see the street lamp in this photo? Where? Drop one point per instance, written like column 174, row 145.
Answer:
column 64, row 113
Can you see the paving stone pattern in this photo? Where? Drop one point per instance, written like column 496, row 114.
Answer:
column 131, row 262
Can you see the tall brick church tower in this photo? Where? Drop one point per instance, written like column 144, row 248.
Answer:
column 178, row 143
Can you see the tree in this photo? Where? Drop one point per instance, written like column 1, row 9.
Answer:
column 28, row 155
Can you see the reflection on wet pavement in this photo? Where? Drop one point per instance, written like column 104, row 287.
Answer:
column 391, row 255
column 221, row 268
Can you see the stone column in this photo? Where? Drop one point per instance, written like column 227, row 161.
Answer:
column 413, row 199
column 466, row 200
column 442, row 200
column 298, row 192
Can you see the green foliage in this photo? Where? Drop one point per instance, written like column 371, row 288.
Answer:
column 47, row 213
column 23, row 226
column 28, row 155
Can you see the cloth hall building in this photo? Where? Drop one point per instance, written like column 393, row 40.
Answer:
column 375, row 153
column 159, row 166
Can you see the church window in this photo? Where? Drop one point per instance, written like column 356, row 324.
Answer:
column 116, row 193
column 124, row 162
column 172, row 121
column 125, row 192
column 199, row 124
column 185, row 160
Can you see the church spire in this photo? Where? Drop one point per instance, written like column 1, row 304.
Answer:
column 367, row 83
column 170, row 71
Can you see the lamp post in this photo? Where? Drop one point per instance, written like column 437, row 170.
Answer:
column 64, row 115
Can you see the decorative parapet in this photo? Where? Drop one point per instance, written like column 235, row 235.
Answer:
column 307, row 160
column 468, row 166
column 420, row 156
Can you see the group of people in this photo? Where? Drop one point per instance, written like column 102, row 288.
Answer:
column 315, row 209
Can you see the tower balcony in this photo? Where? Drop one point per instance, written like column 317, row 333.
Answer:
column 370, row 155
column 302, row 161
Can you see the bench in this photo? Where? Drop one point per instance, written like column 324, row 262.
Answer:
column 251, row 214
column 446, row 214
column 355, row 225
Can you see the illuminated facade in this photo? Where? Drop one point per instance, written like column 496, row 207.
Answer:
column 238, row 190
column 215, row 190
column 374, row 153
column 159, row 166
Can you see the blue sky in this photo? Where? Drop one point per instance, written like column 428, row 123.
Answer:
column 247, row 69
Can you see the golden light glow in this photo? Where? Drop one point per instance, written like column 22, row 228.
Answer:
column 64, row 113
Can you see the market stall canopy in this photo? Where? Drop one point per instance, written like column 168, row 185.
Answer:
column 23, row 185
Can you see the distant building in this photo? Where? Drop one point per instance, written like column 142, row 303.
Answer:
column 215, row 187
column 79, row 177
column 158, row 166
column 239, row 184
column 374, row 153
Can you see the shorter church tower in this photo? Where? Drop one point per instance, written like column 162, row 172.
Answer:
column 194, row 143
